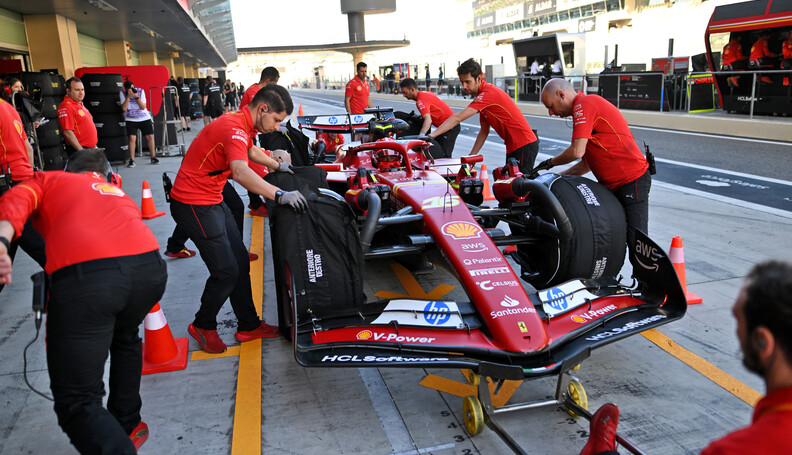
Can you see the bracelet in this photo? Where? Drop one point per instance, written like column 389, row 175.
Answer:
column 5, row 242
column 278, row 195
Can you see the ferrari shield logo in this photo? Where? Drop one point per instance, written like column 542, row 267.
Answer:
column 522, row 327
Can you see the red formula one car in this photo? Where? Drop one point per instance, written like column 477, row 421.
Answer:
column 542, row 313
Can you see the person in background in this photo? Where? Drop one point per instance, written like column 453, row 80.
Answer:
column 732, row 59
column 498, row 110
column 761, row 57
column 138, row 118
column 105, row 275
column 76, row 122
column 212, row 100
column 786, row 52
column 763, row 311
column 434, row 111
column 439, row 80
column 356, row 95
column 10, row 86
column 269, row 74
column 558, row 69
column 428, row 80
column 228, row 96
column 185, row 93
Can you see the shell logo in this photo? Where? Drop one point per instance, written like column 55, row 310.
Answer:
column 360, row 87
column 81, row 112
column 364, row 335
column 18, row 127
column 578, row 319
column 461, row 230
column 107, row 189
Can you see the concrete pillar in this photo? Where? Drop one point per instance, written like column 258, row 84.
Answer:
column 118, row 53
column 149, row 58
column 357, row 27
column 357, row 57
column 178, row 69
column 53, row 43
column 168, row 63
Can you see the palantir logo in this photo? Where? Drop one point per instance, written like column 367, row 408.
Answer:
column 556, row 298
column 437, row 313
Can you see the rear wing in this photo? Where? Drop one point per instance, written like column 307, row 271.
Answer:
column 343, row 123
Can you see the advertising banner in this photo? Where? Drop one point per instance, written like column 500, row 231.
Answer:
column 483, row 21
column 538, row 7
column 509, row 14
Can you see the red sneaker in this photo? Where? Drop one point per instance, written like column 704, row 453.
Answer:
column 263, row 331
column 603, row 430
column 208, row 339
column 139, row 435
column 252, row 256
column 184, row 253
column 261, row 211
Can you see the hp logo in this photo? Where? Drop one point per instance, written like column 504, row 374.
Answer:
column 358, row 119
column 332, row 120
column 556, row 299
column 437, row 313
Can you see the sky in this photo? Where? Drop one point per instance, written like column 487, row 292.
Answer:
column 428, row 24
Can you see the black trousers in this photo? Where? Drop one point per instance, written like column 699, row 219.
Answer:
column 95, row 308
column 447, row 140
column 231, row 198
column 215, row 233
column 525, row 156
column 634, row 197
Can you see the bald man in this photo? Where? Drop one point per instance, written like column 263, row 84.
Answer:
column 602, row 141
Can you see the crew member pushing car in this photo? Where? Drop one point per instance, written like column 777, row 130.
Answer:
column 106, row 274
column 434, row 111
column 497, row 110
column 75, row 121
column 602, row 141
column 221, row 150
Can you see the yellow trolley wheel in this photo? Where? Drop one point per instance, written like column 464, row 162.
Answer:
column 578, row 394
column 473, row 377
column 473, row 415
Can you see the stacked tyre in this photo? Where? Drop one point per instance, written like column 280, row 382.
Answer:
column 102, row 100
column 50, row 90
column 196, row 103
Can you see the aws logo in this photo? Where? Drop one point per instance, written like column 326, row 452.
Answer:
column 107, row 189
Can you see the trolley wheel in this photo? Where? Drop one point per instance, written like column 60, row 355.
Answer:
column 473, row 377
column 473, row 415
column 578, row 394
column 577, row 367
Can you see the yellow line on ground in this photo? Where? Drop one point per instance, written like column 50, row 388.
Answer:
column 413, row 288
column 201, row 355
column 707, row 369
column 246, row 437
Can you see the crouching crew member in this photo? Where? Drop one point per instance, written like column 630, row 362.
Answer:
column 105, row 274
column 602, row 141
column 498, row 110
column 434, row 111
column 16, row 156
column 75, row 121
column 220, row 151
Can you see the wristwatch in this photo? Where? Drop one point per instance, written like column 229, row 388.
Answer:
column 5, row 242
column 278, row 195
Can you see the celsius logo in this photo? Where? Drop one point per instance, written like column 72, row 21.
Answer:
column 437, row 313
column 556, row 299
column 509, row 302
column 490, row 285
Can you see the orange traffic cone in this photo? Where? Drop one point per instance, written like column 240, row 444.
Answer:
column 485, row 177
column 300, row 111
column 161, row 352
column 677, row 257
column 147, row 206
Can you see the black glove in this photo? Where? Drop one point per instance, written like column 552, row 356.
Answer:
column 293, row 199
column 544, row 165
column 285, row 167
column 425, row 137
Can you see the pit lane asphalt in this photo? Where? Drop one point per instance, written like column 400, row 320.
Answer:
column 667, row 407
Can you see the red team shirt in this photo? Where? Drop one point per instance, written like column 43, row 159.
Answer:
column 760, row 49
column 248, row 96
column 769, row 431
column 429, row 103
column 503, row 115
column 359, row 91
column 331, row 143
column 101, row 204
column 226, row 139
column 13, row 154
column 732, row 52
column 74, row 116
column 611, row 151
column 786, row 49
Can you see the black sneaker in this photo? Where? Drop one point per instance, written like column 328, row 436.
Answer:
column 189, row 129
column 131, row 163
column 154, row 161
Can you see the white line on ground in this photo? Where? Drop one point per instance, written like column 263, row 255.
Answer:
column 428, row 449
column 390, row 419
column 727, row 200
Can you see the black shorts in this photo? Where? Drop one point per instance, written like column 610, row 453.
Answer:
column 146, row 127
column 213, row 111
